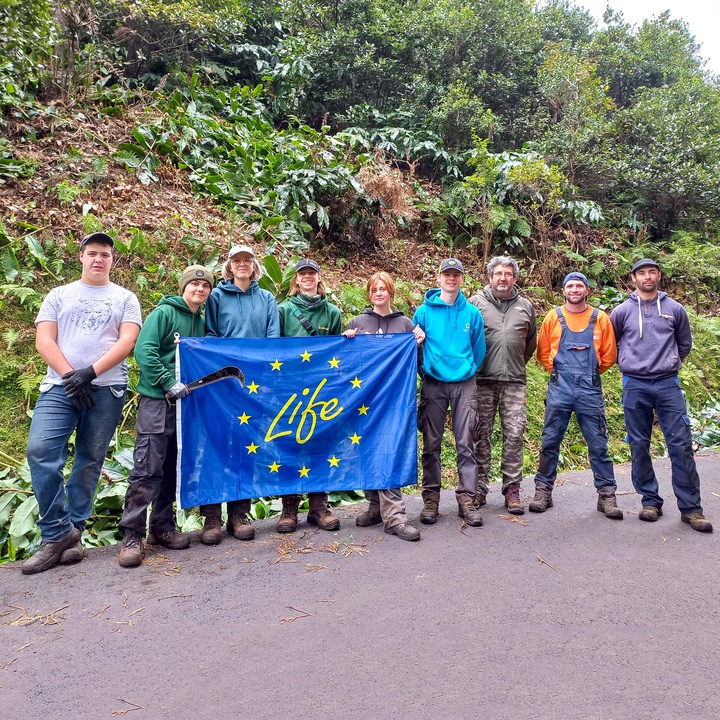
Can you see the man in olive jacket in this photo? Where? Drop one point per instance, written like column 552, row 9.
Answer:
column 511, row 337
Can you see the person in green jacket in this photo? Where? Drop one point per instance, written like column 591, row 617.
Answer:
column 153, row 478
column 308, row 312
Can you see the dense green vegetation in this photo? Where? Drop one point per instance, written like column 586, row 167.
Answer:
column 384, row 134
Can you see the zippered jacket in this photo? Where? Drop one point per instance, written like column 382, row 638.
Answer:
column 510, row 335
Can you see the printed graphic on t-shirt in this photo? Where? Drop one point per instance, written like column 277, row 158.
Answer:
column 93, row 315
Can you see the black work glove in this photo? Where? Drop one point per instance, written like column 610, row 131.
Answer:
column 84, row 398
column 177, row 391
column 77, row 379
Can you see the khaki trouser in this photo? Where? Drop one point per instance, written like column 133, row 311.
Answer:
column 390, row 505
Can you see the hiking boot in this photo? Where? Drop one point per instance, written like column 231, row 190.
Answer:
column 607, row 503
column 240, row 527
column 324, row 519
column 405, row 531
column 288, row 520
column 480, row 499
column 543, row 498
column 368, row 518
column 650, row 513
column 172, row 539
column 429, row 513
column 697, row 521
column 49, row 553
column 132, row 551
column 212, row 531
column 513, row 503
column 470, row 514
column 73, row 554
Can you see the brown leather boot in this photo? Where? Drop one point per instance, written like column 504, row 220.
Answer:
column 239, row 526
column 543, row 498
column 212, row 531
column 288, row 520
column 513, row 503
column 607, row 503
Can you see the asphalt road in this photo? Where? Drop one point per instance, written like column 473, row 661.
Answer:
column 567, row 615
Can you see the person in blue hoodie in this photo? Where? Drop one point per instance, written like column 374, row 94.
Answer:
column 453, row 351
column 237, row 308
column 653, row 338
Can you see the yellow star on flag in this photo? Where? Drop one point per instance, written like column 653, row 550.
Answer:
column 253, row 387
column 355, row 438
column 304, row 471
column 252, row 448
column 274, row 467
column 275, row 365
column 305, row 356
column 334, row 363
column 356, row 382
column 363, row 409
column 334, row 462
column 244, row 418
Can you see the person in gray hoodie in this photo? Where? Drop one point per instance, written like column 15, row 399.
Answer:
column 511, row 339
column 386, row 506
column 653, row 338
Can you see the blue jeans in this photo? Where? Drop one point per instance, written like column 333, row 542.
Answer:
column 63, row 504
column 640, row 397
column 568, row 394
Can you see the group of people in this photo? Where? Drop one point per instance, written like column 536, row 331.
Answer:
column 474, row 353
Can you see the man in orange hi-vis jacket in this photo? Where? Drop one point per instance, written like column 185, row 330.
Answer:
column 576, row 345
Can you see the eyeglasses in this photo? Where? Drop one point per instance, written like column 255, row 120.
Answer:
column 503, row 274
column 237, row 261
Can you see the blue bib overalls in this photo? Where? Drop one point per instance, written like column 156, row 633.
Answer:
column 575, row 387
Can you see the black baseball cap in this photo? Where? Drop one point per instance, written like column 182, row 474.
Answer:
column 451, row 264
column 306, row 263
column 645, row 262
column 97, row 237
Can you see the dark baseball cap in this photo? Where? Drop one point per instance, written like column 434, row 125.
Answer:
column 645, row 262
column 451, row 264
column 97, row 237
column 306, row 263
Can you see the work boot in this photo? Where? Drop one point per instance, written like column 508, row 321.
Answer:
column 405, row 531
column 650, row 513
column 480, row 499
column 368, row 518
column 288, row 520
column 240, row 527
column 543, row 498
column 212, row 531
column 470, row 514
column 324, row 519
column 607, row 503
column 697, row 522
column 73, row 554
column 172, row 539
column 429, row 513
column 513, row 503
column 132, row 551
column 49, row 553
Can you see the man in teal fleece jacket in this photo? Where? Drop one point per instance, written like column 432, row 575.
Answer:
column 153, row 478
column 453, row 351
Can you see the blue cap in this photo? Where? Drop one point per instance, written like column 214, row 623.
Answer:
column 575, row 276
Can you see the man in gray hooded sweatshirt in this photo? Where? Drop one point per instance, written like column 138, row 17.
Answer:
column 653, row 338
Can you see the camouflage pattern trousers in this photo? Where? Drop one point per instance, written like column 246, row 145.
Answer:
column 509, row 400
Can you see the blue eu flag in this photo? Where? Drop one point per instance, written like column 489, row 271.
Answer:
column 316, row 413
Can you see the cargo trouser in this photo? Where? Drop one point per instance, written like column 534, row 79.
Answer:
column 509, row 400
column 153, row 479
column 389, row 504
column 435, row 398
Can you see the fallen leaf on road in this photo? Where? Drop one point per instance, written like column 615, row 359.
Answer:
column 513, row 518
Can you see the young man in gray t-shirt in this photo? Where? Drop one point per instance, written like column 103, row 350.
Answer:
column 85, row 331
